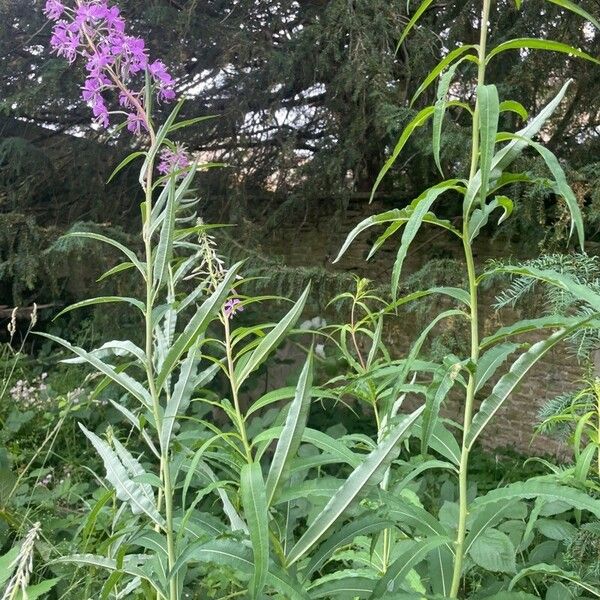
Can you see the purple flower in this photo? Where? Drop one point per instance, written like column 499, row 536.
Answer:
column 96, row 31
column 65, row 40
column 54, row 9
column 164, row 82
column 136, row 124
column 100, row 112
column 172, row 161
column 99, row 60
column 232, row 307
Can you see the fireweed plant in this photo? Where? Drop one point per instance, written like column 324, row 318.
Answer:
column 263, row 505
column 470, row 533
column 177, row 462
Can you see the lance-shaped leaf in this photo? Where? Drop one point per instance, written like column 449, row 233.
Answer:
column 418, row 121
column 139, row 496
column 480, row 216
column 369, row 472
column 254, row 501
column 554, row 571
column 413, row 21
column 197, row 324
column 164, row 249
column 489, row 112
column 292, row 432
column 122, row 348
column 237, row 556
column 508, row 382
column 537, row 44
column 180, row 398
column 125, row 381
column 129, row 565
column 443, row 65
column 436, row 393
column 490, row 361
column 575, row 8
column 399, row 569
column 398, row 217
column 440, row 111
column 561, row 186
column 346, row 585
column 248, row 363
column 559, row 280
column 103, row 300
column 506, row 155
column 421, row 206
column 102, row 238
column 540, row 489
column 489, row 516
column 366, row 524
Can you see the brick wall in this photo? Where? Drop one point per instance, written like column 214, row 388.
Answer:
column 318, row 244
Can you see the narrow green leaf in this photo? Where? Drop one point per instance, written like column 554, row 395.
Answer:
column 103, row 300
column 369, row 472
column 418, row 121
column 190, row 122
column 575, row 8
column 365, row 524
column 343, row 586
column 235, row 555
column 116, row 269
column 488, row 516
column 506, row 155
column 197, row 324
column 509, row 382
column 537, row 44
column 413, row 21
column 442, row 66
column 480, row 216
column 489, row 113
column 131, row 157
column 421, row 206
column 125, row 381
column 399, row 569
column 164, row 249
column 139, row 496
column 442, row 383
column 562, row 281
column 180, row 398
column 440, row 111
column 490, row 361
column 562, row 186
column 270, row 341
column 292, row 432
column 515, row 107
column 102, row 238
column 254, row 501
column 554, row 571
column 540, row 490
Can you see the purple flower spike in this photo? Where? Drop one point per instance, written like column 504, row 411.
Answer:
column 232, row 307
column 54, row 9
column 175, row 160
column 96, row 31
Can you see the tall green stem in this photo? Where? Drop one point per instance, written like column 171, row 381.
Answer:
column 165, row 470
column 241, row 425
column 472, row 281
